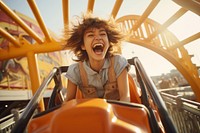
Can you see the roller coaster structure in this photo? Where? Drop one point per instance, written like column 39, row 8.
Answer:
column 140, row 29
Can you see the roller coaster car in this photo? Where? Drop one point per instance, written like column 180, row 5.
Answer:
column 145, row 113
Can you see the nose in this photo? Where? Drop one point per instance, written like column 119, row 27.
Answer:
column 97, row 37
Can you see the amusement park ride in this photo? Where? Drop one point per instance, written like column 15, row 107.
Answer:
column 28, row 42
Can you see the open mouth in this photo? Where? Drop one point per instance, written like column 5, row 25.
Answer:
column 98, row 48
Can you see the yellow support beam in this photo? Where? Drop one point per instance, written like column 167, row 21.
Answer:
column 185, row 41
column 90, row 6
column 116, row 8
column 19, row 21
column 9, row 37
column 175, row 17
column 39, row 19
column 36, row 48
column 34, row 76
column 65, row 6
column 171, row 20
column 146, row 13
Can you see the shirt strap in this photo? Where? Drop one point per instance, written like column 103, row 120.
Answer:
column 111, row 71
column 83, row 74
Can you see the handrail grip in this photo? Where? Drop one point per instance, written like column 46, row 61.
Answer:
column 167, row 122
column 10, row 116
column 32, row 105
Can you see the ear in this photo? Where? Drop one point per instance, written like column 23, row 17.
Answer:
column 83, row 47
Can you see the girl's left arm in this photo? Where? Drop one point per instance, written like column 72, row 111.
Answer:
column 123, row 86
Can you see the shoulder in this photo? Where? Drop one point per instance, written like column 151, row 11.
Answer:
column 120, row 63
column 119, row 59
column 74, row 66
column 73, row 73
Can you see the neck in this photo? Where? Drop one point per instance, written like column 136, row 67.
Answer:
column 96, row 65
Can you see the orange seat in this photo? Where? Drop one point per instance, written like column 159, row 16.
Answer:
column 135, row 92
column 78, row 94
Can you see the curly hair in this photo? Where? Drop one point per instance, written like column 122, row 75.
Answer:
column 74, row 36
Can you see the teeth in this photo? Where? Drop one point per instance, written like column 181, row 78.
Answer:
column 99, row 44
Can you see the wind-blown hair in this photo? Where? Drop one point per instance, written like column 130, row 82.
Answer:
column 74, row 36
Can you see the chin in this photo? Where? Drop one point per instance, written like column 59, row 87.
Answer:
column 99, row 58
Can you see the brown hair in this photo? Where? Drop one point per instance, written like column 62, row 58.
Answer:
column 74, row 36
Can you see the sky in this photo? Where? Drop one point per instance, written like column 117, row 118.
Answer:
column 188, row 24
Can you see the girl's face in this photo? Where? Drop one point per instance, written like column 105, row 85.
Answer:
column 96, row 43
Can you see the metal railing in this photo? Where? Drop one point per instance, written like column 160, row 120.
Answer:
column 8, row 122
column 147, row 86
column 31, row 108
column 185, row 113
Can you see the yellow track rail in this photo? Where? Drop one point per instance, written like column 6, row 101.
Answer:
column 165, row 44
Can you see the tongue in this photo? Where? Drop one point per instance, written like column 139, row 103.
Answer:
column 98, row 51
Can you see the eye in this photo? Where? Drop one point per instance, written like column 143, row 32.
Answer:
column 103, row 33
column 90, row 35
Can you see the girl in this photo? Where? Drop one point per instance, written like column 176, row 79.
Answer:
column 100, row 72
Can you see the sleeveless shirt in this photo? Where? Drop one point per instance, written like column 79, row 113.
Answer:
column 97, row 80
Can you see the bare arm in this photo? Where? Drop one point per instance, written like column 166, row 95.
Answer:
column 71, row 90
column 123, row 86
